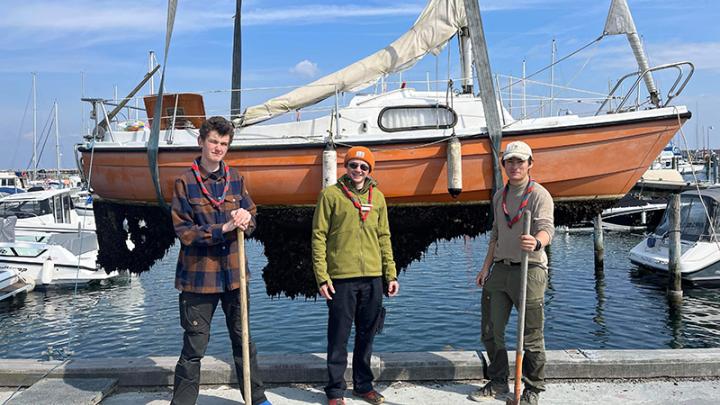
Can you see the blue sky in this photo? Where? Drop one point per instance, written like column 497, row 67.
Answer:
column 291, row 42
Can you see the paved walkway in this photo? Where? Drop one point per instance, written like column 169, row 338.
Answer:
column 627, row 393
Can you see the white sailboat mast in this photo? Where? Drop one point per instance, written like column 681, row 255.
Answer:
column 34, row 131
column 57, row 139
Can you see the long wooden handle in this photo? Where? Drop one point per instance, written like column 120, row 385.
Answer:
column 244, row 317
column 521, row 311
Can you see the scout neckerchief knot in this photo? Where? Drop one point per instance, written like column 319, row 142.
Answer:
column 523, row 202
column 226, row 172
column 363, row 209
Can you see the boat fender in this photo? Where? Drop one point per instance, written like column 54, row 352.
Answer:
column 329, row 161
column 454, row 167
column 46, row 274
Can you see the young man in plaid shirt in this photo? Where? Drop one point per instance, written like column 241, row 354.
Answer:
column 209, row 203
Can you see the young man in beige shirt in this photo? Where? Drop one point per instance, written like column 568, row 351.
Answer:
column 502, row 285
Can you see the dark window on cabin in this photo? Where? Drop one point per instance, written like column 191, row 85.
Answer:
column 414, row 118
column 694, row 224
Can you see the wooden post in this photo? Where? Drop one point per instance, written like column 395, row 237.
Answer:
column 599, row 243
column 247, row 394
column 521, row 313
column 675, row 279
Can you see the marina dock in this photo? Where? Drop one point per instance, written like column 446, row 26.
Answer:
column 576, row 375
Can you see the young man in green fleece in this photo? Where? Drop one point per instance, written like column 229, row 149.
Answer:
column 351, row 255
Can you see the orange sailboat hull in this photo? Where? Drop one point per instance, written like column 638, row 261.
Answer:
column 601, row 161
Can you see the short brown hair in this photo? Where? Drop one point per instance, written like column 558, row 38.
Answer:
column 219, row 124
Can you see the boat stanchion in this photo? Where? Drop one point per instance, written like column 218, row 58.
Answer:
column 674, row 292
column 599, row 243
column 329, row 165
column 454, row 166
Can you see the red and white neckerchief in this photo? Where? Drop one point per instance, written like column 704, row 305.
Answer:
column 363, row 209
column 226, row 174
column 523, row 202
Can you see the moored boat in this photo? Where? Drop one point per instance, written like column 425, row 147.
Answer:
column 699, row 239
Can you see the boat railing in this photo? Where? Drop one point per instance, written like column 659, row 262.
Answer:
column 681, row 80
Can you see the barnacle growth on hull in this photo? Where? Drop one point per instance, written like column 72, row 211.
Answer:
column 285, row 235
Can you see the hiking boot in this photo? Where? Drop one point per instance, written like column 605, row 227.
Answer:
column 371, row 397
column 529, row 397
column 336, row 401
column 491, row 390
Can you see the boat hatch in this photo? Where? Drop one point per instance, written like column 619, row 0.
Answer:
column 694, row 224
column 416, row 117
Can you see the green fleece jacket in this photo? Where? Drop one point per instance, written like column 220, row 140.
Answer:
column 343, row 246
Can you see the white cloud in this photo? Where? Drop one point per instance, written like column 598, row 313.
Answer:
column 306, row 68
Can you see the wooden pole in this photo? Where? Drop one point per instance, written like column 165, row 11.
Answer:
column 674, row 251
column 599, row 243
column 247, row 395
column 521, row 312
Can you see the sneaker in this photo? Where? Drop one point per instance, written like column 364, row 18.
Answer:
column 529, row 397
column 371, row 397
column 336, row 401
column 490, row 391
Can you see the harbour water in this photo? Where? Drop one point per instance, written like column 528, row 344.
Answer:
column 438, row 308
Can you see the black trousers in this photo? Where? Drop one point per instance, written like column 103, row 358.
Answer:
column 196, row 312
column 358, row 300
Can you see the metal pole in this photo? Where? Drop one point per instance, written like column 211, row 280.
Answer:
column 57, row 139
column 599, row 243
column 524, row 91
column 521, row 311
column 674, row 251
column 83, row 124
column 245, row 323
column 151, row 67
column 487, row 92
column 34, row 153
column 552, row 76
column 235, row 94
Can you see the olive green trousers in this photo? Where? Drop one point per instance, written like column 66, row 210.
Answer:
column 500, row 294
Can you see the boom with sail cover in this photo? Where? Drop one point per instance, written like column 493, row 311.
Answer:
column 438, row 23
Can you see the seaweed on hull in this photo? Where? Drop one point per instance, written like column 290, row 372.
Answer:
column 285, row 235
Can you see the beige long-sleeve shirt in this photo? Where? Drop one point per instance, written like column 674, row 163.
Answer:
column 507, row 240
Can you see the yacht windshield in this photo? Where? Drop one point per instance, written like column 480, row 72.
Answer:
column 693, row 220
column 24, row 209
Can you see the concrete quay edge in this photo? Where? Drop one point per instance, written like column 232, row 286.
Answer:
column 310, row 368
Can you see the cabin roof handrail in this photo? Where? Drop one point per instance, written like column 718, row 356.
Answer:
column 672, row 93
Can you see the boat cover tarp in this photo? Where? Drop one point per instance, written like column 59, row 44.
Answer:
column 438, row 23
column 7, row 229
column 74, row 243
column 712, row 193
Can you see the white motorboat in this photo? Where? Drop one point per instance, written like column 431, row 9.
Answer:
column 700, row 245
column 45, row 211
column 62, row 258
column 83, row 202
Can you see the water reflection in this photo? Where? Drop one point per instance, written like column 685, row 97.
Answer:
column 620, row 307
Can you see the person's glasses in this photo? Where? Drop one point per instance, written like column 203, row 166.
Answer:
column 363, row 166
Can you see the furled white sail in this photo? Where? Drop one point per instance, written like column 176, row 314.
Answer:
column 438, row 23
